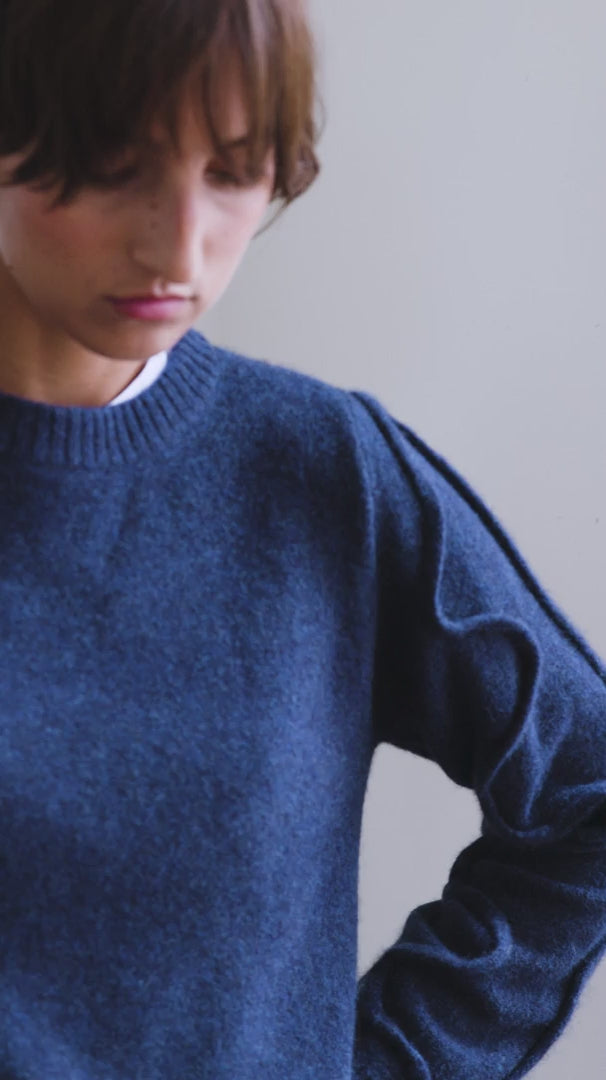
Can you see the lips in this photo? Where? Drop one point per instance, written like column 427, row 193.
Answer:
column 147, row 299
column 150, row 310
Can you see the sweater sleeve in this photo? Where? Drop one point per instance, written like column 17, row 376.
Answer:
column 478, row 670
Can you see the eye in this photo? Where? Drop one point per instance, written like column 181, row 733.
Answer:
column 244, row 180
column 227, row 179
column 116, row 179
column 220, row 176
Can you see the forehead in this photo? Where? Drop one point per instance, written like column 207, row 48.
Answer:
column 228, row 104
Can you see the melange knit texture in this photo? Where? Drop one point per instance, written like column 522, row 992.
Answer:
column 216, row 600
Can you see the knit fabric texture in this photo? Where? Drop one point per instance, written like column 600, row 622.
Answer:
column 217, row 598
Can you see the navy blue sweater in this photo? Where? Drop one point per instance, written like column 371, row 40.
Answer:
column 216, row 600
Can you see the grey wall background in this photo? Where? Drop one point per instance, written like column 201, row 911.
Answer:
column 451, row 260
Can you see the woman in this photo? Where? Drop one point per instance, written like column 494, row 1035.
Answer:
column 222, row 585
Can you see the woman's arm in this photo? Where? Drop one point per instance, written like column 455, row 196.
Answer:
column 478, row 670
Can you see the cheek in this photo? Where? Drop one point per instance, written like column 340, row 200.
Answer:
column 234, row 230
column 69, row 239
column 28, row 252
column 18, row 227
column 43, row 258
column 58, row 243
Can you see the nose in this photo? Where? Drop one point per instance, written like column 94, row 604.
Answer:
column 170, row 238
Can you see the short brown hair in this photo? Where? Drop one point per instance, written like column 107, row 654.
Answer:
column 81, row 82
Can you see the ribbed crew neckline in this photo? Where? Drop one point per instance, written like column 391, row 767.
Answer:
column 148, row 425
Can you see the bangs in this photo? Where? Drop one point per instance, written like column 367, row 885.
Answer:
column 81, row 84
